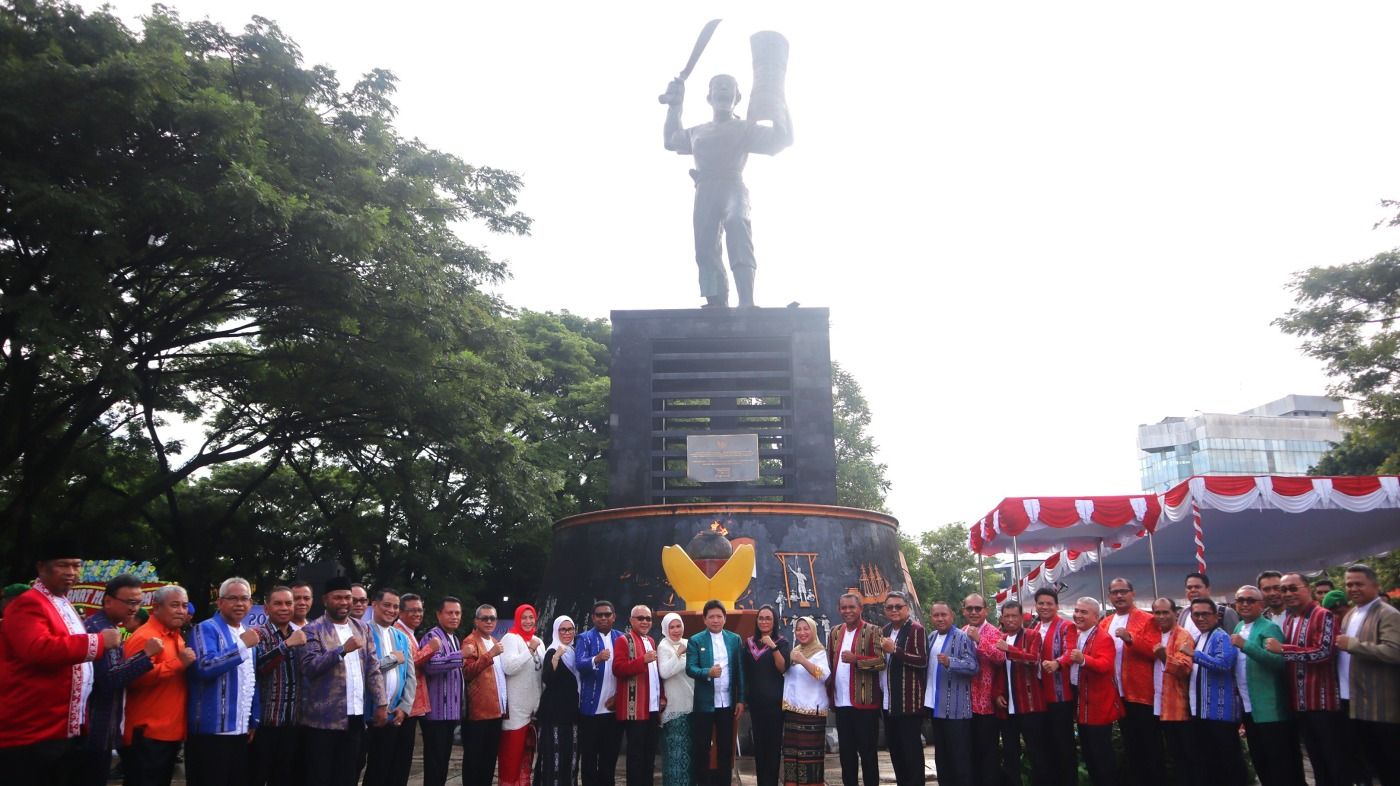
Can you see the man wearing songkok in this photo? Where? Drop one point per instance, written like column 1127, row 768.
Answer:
column 1134, row 634
column 1020, row 701
column 599, row 736
column 1091, row 669
column 484, row 671
column 344, row 690
column 390, row 744
column 984, row 635
column 948, row 694
column 904, row 681
column 1171, row 695
column 639, row 700
column 1215, row 711
column 46, row 657
column 1057, row 638
column 1368, row 670
column 445, row 690
column 1259, row 678
column 275, row 759
column 1309, row 647
column 111, row 674
column 154, row 725
column 223, row 691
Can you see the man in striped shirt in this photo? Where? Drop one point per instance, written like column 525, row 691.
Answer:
column 445, row 686
column 1057, row 638
column 276, row 754
column 1309, row 648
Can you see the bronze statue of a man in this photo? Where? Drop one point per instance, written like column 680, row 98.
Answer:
column 721, row 148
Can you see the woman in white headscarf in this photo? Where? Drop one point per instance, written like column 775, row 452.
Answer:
column 804, row 707
column 556, row 758
column 679, row 689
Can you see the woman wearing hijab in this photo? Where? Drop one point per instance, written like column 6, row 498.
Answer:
column 804, row 708
column 765, row 659
column 680, row 697
column 557, row 762
column 522, row 659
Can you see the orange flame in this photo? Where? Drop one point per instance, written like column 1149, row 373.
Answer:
column 715, row 526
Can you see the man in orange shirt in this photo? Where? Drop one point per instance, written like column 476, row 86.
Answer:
column 155, row 702
column 1134, row 635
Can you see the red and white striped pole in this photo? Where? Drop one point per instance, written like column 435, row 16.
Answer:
column 1200, row 537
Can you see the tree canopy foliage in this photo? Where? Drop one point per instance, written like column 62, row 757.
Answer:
column 860, row 479
column 942, row 566
column 1347, row 316
column 232, row 301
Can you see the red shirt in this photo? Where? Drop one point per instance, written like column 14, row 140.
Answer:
column 1057, row 638
column 1138, row 657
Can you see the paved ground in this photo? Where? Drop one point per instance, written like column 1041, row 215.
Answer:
column 746, row 772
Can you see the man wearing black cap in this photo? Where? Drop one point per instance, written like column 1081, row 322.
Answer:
column 46, row 657
column 344, row 691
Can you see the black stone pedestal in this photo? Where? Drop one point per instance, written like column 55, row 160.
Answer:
column 721, row 371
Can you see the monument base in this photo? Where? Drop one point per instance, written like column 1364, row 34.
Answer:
column 806, row 558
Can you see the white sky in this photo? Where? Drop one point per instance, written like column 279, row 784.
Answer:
column 1036, row 225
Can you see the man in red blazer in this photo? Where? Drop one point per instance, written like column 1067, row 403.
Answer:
column 638, row 699
column 1021, row 702
column 1058, row 637
column 1091, row 668
column 1135, row 636
column 46, row 658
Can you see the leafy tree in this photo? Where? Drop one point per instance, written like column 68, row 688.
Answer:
column 942, row 566
column 860, row 478
column 1347, row 316
column 194, row 226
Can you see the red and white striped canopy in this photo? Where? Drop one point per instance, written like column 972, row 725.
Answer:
column 1052, row 523
column 1243, row 525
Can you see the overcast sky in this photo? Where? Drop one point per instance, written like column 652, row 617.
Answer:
column 1036, row 225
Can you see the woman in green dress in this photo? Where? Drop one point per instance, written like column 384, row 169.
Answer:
column 680, row 697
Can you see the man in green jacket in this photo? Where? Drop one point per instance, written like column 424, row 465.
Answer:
column 1259, row 674
column 712, row 660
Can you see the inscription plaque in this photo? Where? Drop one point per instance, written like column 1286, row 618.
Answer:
column 721, row 458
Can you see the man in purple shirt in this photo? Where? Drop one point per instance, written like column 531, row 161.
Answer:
column 444, row 671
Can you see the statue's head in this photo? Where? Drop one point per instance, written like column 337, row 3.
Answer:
column 724, row 93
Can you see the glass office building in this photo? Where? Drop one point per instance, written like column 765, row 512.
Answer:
column 1283, row 437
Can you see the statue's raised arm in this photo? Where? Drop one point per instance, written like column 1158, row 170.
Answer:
column 721, row 148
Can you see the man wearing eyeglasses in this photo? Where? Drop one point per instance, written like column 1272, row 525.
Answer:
column 639, row 700
column 485, row 674
column 1273, row 737
column 111, row 674
column 599, row 736
column 1135, row 637
column 984, row 635
column 905, row 677
column 223, row 696
column 1309, row 647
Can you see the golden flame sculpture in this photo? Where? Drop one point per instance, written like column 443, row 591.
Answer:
column 723, row 572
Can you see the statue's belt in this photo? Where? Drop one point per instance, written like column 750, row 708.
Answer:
column 716, row 177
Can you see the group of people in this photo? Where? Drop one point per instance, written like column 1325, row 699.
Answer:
column 347, row 695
